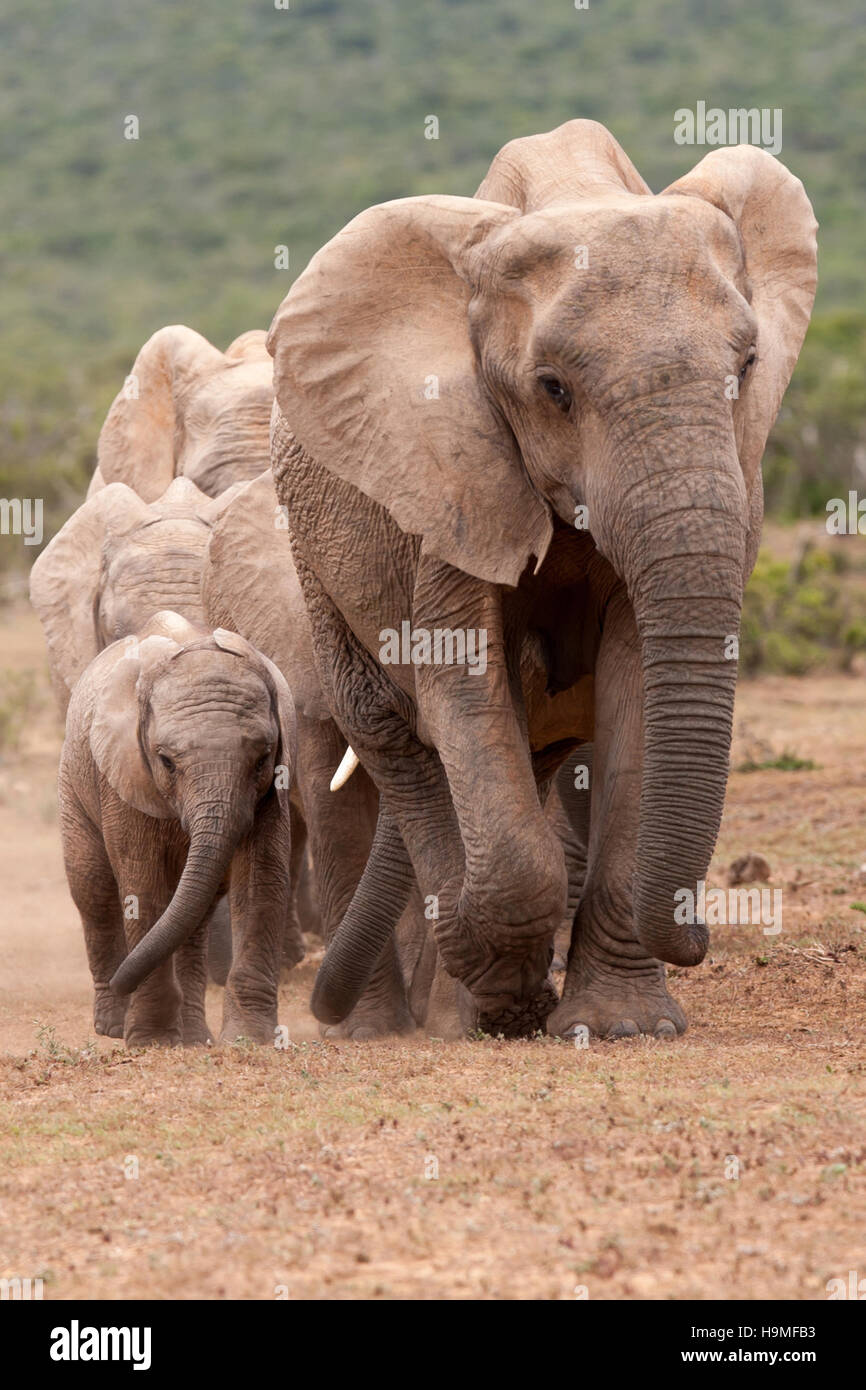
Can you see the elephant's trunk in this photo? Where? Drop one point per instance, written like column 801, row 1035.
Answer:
column 688, row 712
column 371, row 917
column 684, row 571
column 214, row 834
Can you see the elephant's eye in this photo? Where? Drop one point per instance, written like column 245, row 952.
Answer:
column 559, row 394
column 262, row 762
column 167, row 762
column 750, row 358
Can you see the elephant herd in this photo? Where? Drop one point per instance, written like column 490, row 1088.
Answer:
column 534, row 417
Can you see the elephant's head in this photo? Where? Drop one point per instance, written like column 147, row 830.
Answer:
column 116, row 562
column 191, row 726
column 187, row 409
column 564, row 339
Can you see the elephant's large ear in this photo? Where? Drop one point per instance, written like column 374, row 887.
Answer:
column 777, row 229
column 115, row 723
column 65, row 578
column 577, row 160
column 278, row 686
column 138, row 442
column 376, row 378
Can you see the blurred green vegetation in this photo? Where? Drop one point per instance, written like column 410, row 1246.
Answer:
column 261, row 127
column 805, row 614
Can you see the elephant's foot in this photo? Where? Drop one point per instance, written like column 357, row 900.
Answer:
column 250, row 1006
column 252, row 1025
column 383, row 1009
column 618, row 1003
column 195, row 1032
column 154, row 1017
column 142, row 1036
column 109, row 1013
column 520, row 1018
column 371, row 1020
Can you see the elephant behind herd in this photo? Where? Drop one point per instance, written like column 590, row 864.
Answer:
column 536, row 415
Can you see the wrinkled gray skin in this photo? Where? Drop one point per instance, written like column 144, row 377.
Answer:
column 163, row 809
column 249, row 584
column 601, row 381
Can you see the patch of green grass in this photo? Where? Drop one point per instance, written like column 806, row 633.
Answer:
column 785, row 762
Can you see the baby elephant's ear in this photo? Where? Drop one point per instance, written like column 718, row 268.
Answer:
column 280, row 693
column 115, row 725
column 376, row 377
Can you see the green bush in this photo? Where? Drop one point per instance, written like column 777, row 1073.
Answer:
column 803, row 614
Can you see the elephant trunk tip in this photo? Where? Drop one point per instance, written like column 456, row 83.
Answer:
column 687, row 948
column 330, row 1006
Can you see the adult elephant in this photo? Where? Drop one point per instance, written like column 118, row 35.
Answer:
column 461, row 384
column 188, row 410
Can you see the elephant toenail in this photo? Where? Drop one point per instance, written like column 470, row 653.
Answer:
column 626, row 1028
column 665, row 1029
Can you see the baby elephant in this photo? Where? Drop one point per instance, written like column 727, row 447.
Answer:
column 174, row 788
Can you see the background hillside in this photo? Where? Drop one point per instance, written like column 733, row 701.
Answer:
column 261, row 126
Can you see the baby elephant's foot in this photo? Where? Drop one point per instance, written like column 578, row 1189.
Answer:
column 109, row 1013
column 242, row 1025
column 612, row 1005
column 143, row 1036
column 250, row 1007
column 195, row 1032
column 368, row 1021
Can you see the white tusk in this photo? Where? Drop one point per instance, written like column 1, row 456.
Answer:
column 345, row 770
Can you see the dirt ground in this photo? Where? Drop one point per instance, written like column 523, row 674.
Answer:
column 729, row 1164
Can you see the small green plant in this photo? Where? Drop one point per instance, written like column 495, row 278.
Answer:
column 786, row 761
column 56, row 1051
column 802, row 614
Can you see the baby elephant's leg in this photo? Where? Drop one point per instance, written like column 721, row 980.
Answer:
column 95, row 893
column 259, row 900
column 191, row 963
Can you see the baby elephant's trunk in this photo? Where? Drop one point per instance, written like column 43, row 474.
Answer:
column 206, row 863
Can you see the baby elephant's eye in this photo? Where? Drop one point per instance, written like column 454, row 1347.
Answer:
column 167, row 762
column 750, row 358
column 262, row 762
column 558, row 393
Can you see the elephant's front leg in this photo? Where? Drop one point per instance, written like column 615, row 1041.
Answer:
column 497, row 937
column 96, row 895
column 259, row 900
column 191, row 963
column 611, row 986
